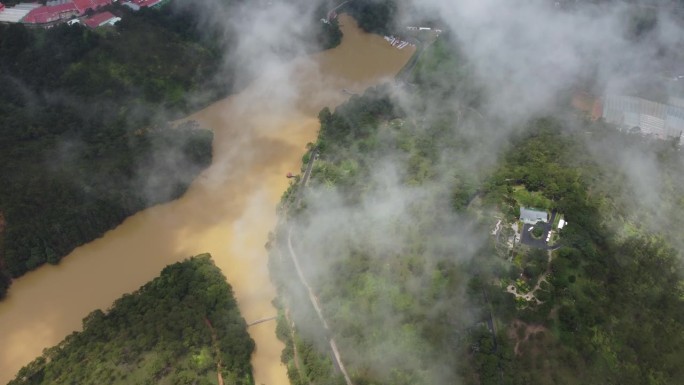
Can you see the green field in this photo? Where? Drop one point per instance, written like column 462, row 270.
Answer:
column 531, row 199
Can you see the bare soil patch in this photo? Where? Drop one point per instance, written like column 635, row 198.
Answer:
column 524, row 333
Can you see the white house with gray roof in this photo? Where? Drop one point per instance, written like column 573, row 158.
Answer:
column 532, row 216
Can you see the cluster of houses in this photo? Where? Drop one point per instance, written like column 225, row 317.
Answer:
column 70, row 11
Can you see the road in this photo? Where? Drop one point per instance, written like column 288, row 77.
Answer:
column 314, row 302
column 302, row 278
column 294, row 346
column 309, row 167
column 336, row 8
column 217, row 351
column 492, row 329
column 529, row 296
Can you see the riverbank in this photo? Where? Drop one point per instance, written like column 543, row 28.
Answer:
column 260, row 135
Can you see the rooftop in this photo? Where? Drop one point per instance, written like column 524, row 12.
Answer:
column 16, row 13
column 48, row 13
column 100, row 19
column 532, row 216
column 147, row 3
column 132, row 6
column 652, row 118
column 84, row 5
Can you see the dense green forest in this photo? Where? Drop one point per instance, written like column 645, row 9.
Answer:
column 328, row 35
column 83, row 143
column 408, row 299
column 83, row 135
column 374, row 16
column 181, row 328
column 612, row 307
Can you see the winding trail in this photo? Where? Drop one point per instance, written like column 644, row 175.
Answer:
column 529, row 296
column 217, row 351
column 314, row 302
column 309, row 168
column 302, row 278
column 228, row 211
column 294, row 347
column 338, row 7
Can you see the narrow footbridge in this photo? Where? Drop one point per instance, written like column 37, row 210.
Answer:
column 261, row 320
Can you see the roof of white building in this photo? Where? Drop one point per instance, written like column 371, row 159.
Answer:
column 532, row 215
column 652, row 118
column 18, row 12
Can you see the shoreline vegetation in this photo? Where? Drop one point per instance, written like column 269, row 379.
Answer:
column 76, row 160
column 392, row 226
column 190, row 126
column 609, row 306
column 183, row 327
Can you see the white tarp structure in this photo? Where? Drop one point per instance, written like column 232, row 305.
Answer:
column 18, row 12
column 657, row 119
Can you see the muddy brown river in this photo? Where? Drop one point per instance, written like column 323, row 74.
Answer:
column 260, row 135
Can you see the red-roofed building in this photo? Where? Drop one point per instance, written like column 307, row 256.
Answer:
column 147, row 3
column 2, row 7
column 84, row 5
column 101, row 19
column 51, row 13
column 54, row 13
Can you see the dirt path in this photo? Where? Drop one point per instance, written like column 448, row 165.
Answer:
column 300, row 273
column 314, row 302
column 217, row 351
column 530, row 330
column 259, row 135
column 294, row 346
column 529, row 296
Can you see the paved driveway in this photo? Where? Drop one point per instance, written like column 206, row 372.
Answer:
column 540, row 243
column 529, row 240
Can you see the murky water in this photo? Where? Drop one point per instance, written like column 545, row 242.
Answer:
column 260, row 135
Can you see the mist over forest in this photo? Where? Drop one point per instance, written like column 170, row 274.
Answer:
column 85, row 114
column 402, row 254
column 406, row 229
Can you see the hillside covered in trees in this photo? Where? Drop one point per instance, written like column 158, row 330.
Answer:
column 84, row 138
column 183, row 327
column 83, row 142
column 611, row 308
column 394, row 229
column 374, row 16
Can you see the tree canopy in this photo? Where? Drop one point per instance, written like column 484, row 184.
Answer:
column 83, row 134
column 609, row 303
column 183, row 327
